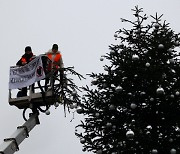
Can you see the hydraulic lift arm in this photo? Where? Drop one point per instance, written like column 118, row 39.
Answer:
column 11, row 145
column 58, row 91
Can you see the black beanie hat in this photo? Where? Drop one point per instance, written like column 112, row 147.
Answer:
column 55, row 47
column 28, row 48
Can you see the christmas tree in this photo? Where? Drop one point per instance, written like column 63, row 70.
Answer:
column 133, row 107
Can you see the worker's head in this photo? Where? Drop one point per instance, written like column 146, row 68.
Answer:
column 54, row 48
column 28, row 50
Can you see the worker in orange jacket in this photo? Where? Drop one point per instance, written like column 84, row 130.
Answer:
column 56, row 57
column 26, row 58
column 56, row 62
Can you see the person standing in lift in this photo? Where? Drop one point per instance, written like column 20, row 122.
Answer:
column 25, row 59
column 56, row 62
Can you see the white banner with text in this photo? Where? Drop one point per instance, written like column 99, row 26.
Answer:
column 26, row 75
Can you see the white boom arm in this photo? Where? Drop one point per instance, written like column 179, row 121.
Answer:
column 11, row 145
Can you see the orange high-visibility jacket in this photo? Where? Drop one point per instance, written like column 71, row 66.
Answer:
column 56, row 59
column 25, row 60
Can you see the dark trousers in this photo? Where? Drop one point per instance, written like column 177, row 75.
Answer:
column 23, row 91
column 52, row 78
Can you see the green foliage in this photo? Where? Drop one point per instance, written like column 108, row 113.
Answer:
column 134, row 106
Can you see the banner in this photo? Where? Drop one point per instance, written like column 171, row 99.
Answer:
column 26, row 75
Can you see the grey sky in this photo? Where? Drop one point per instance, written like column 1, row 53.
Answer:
column 83, row 29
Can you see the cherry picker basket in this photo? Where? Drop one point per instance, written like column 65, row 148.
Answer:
column 39, row 94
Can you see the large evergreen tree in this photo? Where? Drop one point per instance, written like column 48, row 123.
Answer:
column 134, row 106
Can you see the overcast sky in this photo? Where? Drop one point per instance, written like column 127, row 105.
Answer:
column 83, row 29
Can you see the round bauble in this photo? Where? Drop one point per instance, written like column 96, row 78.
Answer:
column 135, row 57
column 106, row 68
column 82, row 140
column 108, row 124
column 144, row 104
column 151, row 99
column 97, row 114
column 101, row 59
column 172, row 96
column 173, row 151
column 56, row 104
column 177, row 43
column 160, row 91
column 154, row 151
column 105, row 85
column 94, row 82
column 114, row 126
column 170, row 50
column 79, row 110
column 133, row 105
column 177, row 93
column 129, row 134
column 156, row 25
column 99, row 152
column 115, row 35
column 112, row 52
column 149, row 127
column 47, row 112
column 74, row 93
column 71, row 106
column 84, row 149
column 147, row 64
column 135, row 75
column 148, row 133
column 170, row 140
column 111, row 107
column 161, row 46
column 75, row 105
column 133, row 121
column 118, row 88
column 171, row 61
column 143, row 93
column 130, row 94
